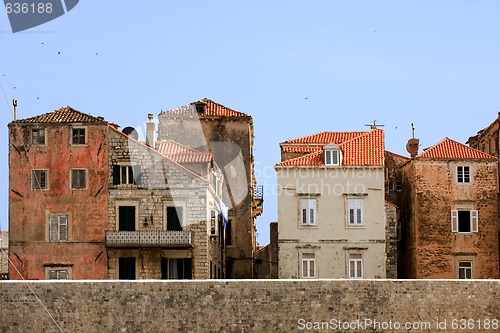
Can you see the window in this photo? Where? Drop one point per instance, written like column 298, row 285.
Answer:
column 355, row 265
column 177, row 269
column 215, row 183
column 54, row 272
column 38, row 136
column 463, row 174
column 464, row 221
column 200, row 108
column 39, row 179
column 331, row 157
column 78, row 179
column 126, row 218
column 213, row 222
column 391, row 186
column 126, row 268
column 58, row 228
column 308, row 265
column 211, row 268
column 355, row 212
column 465, row 269
column 174, row 218
column 229, row 233
column 78, row 136
column 126, row 174
column 308, row 211
column 399, row 186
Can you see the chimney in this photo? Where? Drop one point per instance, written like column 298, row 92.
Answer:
column 14, row 102
column 412, row 147
column 150, row 131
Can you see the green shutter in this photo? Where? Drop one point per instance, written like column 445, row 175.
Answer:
column 126, row 218
column 116, row 174
column 174, row 217
column 188, row 269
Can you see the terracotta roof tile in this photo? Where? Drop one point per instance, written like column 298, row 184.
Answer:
column 180, row 153
column 211, row 109
column 451, row 149
column 367, row 148
column 64, row 115
column 299, row 149
column 324, row 138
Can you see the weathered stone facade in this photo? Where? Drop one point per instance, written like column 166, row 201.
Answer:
column 4, row 252
column 266, row 258
column 391, row 240
column 430, row 249
column 162, row 183
column 227, row 134
column 250, row 306
column 36, row 245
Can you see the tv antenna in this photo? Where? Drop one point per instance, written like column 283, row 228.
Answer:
column 375, row 125
column 412, row 131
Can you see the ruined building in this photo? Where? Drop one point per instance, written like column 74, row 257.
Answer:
column 227, row 134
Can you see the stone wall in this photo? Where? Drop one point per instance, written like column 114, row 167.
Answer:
column 250, row 306
column 391, row 240
column 4, row 260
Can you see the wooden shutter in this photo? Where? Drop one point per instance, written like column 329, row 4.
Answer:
column 137, row 174
column 53, row 228
column 116, row 174
column 63, row 227
column 454, row 221
column 474, row 220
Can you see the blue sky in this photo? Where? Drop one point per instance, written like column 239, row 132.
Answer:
column 432, row 63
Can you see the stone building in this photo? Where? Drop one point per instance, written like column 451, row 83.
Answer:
column 449, row 213
column 331, row 208
column 58, row 196
column 210, row 127
column 266, row 257
column 4, row 252
column 166, row 218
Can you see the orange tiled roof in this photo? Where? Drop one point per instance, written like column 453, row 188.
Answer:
column 180, row 153
column 211, row 109
column 324, row 138
column 365, row 149
column 64, row 115
column 299, row 149
column 451, row 149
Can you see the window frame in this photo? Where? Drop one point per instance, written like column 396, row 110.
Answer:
column 129, row 203
column 176, row 204
column 303, row 260
column 44, row 144
column 58, row 268
column 49, row 216
column 455, row 221
column 71, row 134
column 462, row 174
column 466, row 269
column 32, row 179
column 355, row 260
column 311, row 205
column 353, row 201
column 85, row 170
column 213, row 222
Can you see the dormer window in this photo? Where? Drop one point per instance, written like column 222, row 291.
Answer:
column 332, row 154
column 200, row 108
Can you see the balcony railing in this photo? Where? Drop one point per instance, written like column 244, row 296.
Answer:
column 148, row 238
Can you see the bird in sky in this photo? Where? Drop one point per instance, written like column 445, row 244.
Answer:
column 306, row 98
column 59, row 52
column 43, row 43
column 14, row 88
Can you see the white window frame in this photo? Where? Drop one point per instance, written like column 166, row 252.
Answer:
column 308, row 262
column 60, row 225
column 57, row 269
column 474, row 221
column 354, row 261
column 71, row 179
column 33, row 180
column 461, row 174
column 125, row 172
column 44, row 137
column 330, row 155
column 309, row 207
column 355, row 204
column 470, row 269
column 86, row 136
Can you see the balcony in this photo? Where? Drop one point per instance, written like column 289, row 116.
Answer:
column 258, row 200
column 148, row 238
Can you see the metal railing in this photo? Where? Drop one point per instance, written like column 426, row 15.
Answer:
column 148, row 238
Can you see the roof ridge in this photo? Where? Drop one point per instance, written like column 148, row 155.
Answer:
column 358, row 137
column 406, row 157
column 322, row 132
column 208, row 102
column 447, row 139
column 195, row 151
column 211, row 101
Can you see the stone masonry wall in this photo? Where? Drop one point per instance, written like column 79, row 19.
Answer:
column 250, row 306
column 391, row 241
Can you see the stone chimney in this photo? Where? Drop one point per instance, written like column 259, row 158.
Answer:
column 150, row 131
column 412, row 146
